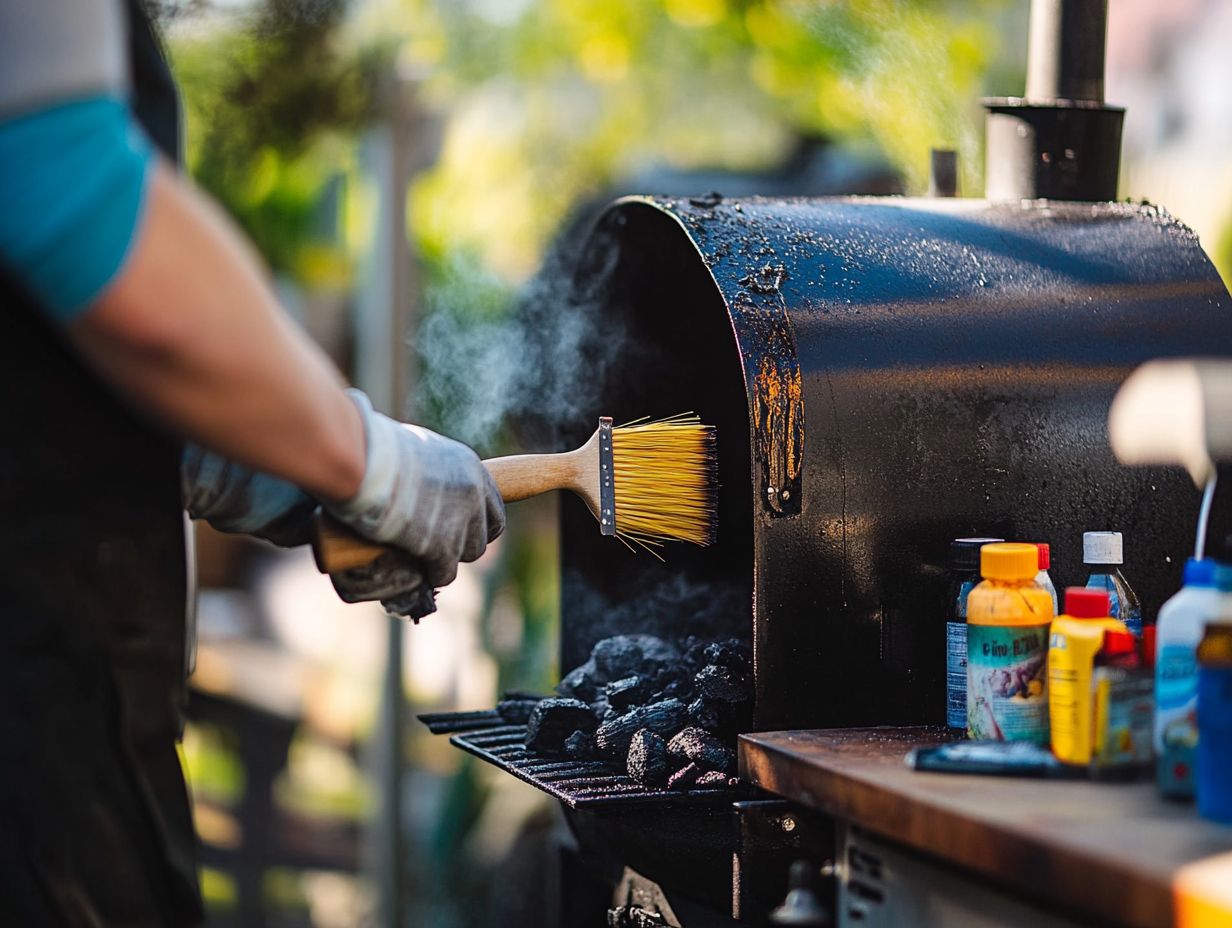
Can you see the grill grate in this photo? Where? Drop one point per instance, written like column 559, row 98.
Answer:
column 579, row 784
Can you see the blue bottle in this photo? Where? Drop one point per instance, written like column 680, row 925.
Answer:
column 1178, row 630
column 1214, row 778
column 1103, row 553
column 964, row 575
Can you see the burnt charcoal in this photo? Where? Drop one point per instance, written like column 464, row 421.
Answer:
column 675, row 689
column 733, row 654
column 714, row 778
column 694, row 654
column 656, row 650
column 663, row 718
column 708, row 714
column 647, row 758
column 626, row 692
column 580, row 745
column 611, row 714
column 600, row 707
column 582, row 682
column 684, row 777
column 554, row 720
column 517, row 711
column 702, row 748
column 617, row 657
column 722, row 683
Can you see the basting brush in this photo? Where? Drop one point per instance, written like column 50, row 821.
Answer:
column 646, row 482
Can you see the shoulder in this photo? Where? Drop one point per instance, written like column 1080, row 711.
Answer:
column 52, row 50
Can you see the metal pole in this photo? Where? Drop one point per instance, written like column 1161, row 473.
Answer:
column 1061, row 141
column 1065, row 50
column 386, row 314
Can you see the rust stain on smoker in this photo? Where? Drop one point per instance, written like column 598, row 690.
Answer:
column 751, row 275
column 778, row 427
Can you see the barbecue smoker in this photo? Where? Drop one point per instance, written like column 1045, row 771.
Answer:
column 885, row 375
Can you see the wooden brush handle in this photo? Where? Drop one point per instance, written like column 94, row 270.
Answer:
column 520, row 476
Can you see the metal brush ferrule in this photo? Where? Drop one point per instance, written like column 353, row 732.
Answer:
column 607, row 478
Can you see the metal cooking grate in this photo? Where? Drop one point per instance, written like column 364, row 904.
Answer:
column 578, row 784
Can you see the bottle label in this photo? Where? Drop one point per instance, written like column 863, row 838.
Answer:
column 956, row 674
column 1007, row 698
column 1215, row 743
column 1176, row 719
column 1123, row 710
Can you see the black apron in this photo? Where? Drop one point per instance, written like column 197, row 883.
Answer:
column 95, row 828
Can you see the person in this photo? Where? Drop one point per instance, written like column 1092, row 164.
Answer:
column 146, row 366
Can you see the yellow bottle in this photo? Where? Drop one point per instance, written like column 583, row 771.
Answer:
column 1007, row 647
column 1076, row 637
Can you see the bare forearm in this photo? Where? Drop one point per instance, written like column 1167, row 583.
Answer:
column 191, row 332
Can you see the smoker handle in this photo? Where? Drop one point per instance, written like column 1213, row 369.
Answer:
column 337, row 548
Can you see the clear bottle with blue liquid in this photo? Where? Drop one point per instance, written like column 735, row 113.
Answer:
column 964, row 576
column 1103, row 553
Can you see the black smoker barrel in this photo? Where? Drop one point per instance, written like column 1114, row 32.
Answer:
column 885, row 375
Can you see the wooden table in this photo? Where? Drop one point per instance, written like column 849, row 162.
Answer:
column 1113, row 851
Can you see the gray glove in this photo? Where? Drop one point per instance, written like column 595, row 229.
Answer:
column 394, row 579
column 425, row 494
column 233, row 498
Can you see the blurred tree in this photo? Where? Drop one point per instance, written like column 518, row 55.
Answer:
column 552, row 100
column 273, row 95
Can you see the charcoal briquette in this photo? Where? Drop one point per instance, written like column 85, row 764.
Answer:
column 647, row 757
column 675, row 689
column 717, row 682
column 707, row 714
column 580, row 683
column 517, row 711
column 617, row 657
column 626, row 692
column 702, row 748
column 684, row 777
column 600, row 707
column 580, row 745
column 663, row 718
column 732, row 653
column 554, row 720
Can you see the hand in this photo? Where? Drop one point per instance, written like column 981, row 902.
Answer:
column 393, row 579
column 426, row 494
column 233, row 498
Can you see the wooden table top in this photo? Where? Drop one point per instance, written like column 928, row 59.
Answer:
column 1114, row 851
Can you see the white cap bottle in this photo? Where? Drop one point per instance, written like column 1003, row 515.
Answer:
column 1104, row 553
column 1102, row 548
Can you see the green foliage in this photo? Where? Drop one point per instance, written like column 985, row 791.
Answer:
column 272, row 101
column 552, row 100
column 1222, row 255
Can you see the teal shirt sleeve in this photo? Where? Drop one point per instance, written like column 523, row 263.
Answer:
column 73, row 181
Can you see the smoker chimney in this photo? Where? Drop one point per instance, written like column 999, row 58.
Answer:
column 1060, row 141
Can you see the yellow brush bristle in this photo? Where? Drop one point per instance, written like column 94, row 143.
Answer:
column 666, row 481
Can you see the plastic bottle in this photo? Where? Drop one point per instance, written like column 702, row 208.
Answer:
column 1042, row 578
column 964, row 575
column 1177, row 634
column 1214, row 767
column 1073, row 642
column 1103, row 552
column 1123, row 707
column 1008, row 615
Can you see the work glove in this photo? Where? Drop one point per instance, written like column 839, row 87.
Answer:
column 233, row 498
column 428, row 496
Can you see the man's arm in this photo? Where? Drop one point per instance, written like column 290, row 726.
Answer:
column 190, row 331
